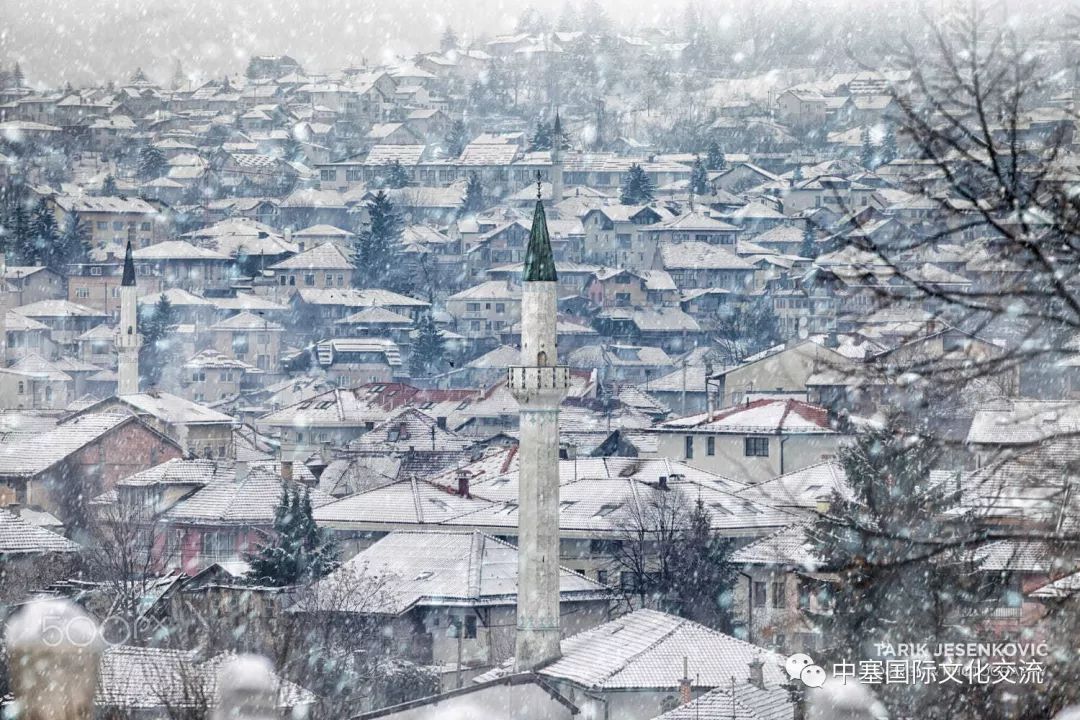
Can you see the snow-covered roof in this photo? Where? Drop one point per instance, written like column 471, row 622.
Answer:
column 759, row 416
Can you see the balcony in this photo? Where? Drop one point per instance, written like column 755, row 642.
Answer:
column 538, row 384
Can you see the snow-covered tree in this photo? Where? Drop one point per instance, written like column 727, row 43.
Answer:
column 429, row 348
column 156, row 328
column 295, row 550
column 152, row 163
column 637, row 188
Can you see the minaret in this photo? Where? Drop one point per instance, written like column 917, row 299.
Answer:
column 127, row 334
column 3, row 309
column 539, row 384
column 556, row 161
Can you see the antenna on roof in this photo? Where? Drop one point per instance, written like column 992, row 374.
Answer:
column 539, row 179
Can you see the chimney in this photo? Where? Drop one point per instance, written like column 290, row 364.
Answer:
column 662, row 482
column 831, row 340
column 440, row 422
column 463, row 483
column 757, row 673
column 686, row 690
column 241, row 468
column 286, row 470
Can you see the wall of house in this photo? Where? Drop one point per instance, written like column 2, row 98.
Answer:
column 786, row 371
column 93, row 469
column 729, row 458
column 778, row 622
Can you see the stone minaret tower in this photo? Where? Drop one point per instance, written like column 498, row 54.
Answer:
column 3, row 309
column 556, row 161
column 539, row 384
column 127, row 334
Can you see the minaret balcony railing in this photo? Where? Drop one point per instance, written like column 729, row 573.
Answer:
column 538, row 380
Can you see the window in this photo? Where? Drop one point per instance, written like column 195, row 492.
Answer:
column 82, row 293
column 283, row 279
column 688, row 450
column 758, row 594
column 329, row 280
column 710, row 446
column 309, row 280
column 779, row 596
column 198, row 376
column 622, row 299
column 102, row 225
column 328, row 174
column 95, row 270
column 601, row 577
column 625, row 242
column 118, row 225
column 472, row 307
column 804, row 595
column 500, row 307
column 470, row 627
column 756, row 447
column 145, row 227
column 22, row 388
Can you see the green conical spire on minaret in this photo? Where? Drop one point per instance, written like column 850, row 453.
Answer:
column 128, row 280
column 539, row 260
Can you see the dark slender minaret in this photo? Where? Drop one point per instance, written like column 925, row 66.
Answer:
column 127, row 334
column 539, row 384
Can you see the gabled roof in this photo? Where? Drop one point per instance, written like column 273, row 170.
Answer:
column 442, row 569
column 250, row 500
column 17, row 536
column 33, row 455
column 645, row 650
column 327, row 256
column 759, row 416
column 788, row 546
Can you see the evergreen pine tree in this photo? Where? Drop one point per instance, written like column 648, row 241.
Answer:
column 19, row 239
column 704, row 579
column 17, row 76
column 378, row 243
column 699, row 178
column 295, row 550
column 541, row 137
column 72, row 245
column 904, row 572
column 808, row 249
column 156, row 330
column 888, row 151
column 474, row 196
column 714, row 158
column 44, row 236
column 456, row 139
column 449, row 40
column 867, row 155
column 428, row 347
column 637, row 189
column 108, row 187
column 152, row 163
column 396, row 176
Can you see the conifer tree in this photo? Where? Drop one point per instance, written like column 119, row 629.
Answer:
column 867, row 155
column 156, row 329
column 714, row 157
column 295, row 550
column 43, row 238
column 152, row 163
column 108, row 187
column 699, row 178
column 19, row 240
column 541, row 137
column 704, row 578
column 808, row 249
column 396, row 175
column 378, row 243
column 890, row 539
column 474, row 196
column 449, row 40
column 456, row 139
column 637, row 189
column 428, row 354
